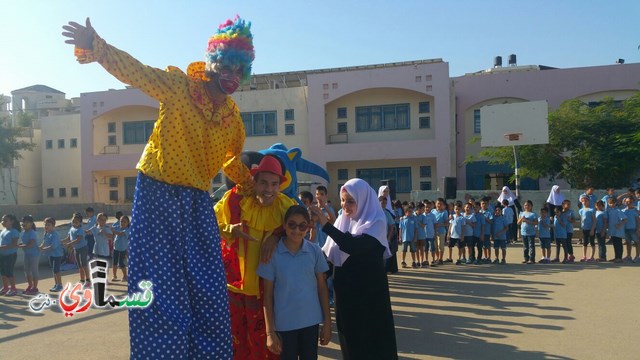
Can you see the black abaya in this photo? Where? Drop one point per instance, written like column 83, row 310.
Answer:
column 363, row 305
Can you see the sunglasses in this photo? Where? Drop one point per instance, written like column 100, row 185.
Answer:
column 302, row 226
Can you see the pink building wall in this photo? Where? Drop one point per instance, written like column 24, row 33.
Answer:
column 553, row 85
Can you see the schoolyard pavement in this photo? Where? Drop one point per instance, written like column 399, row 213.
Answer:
column 513, row 311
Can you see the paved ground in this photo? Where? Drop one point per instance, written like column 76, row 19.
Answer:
column 515, row 311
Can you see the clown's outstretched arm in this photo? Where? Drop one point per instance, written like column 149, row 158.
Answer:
column 89, row 47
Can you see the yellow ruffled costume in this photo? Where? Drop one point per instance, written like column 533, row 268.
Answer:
column 259, row 221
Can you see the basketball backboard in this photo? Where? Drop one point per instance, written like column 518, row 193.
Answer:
column 524, row 123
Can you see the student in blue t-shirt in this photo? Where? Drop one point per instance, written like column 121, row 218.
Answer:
column 296, row 298
column 456, row 233
column 560, row 234
column 409, row 235
column 499, row 228
column 120, row 248
column 631, row 229
column 430, row 221
column 421, row 239
column 544, row 234
column 470, row 223
column 616, row 220
column 51, row 245
column 89, row 235
column 588, row 227
column 528, row 221
column 77, row 240
column 487, row 213
column 478, row 231
column 9, row 253
column 601, row 230
column 29, row 244
column 442, row 228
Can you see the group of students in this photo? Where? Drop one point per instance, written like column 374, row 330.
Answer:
column 477, row 227
column 84, row 241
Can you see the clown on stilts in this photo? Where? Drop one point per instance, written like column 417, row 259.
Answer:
column 175, row 240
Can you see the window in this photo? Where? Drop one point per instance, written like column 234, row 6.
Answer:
column 60, row 143
column 50, row 192
column 74, row 192
column 288, row 114
column 289, row 129
column 343, row 174
column 425, row 122
column 401, row 175
column 342, row 128
column 129, row 188
column 425, row 171
column 418, row 78
column 218, row 178
column 113, row 182
column 48, row 144
column 113, row 195
column 62, row 192
column 382, row 117
column 73, row 143
column 424, row 107
column 425, row 185
column 476, row 121
column 342, row 113
column 137, row 132
column 259, row 123
column 111, row 127
column 111, row 140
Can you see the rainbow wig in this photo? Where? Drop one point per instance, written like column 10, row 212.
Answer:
column 231, row 45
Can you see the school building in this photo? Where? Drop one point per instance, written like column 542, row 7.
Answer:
column 409, row 122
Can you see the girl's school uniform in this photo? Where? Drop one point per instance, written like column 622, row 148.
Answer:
column 120, row 246
column 544, row 232
column 55, row 252
column 31, row 254
column 296, row 304
column 80, row 248
column 8, row 257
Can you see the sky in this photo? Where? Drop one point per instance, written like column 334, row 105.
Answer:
column 308, row 35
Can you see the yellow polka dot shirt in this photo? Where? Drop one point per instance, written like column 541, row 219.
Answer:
column 192, row 137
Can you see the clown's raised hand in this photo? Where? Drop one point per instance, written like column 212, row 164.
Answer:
column 80, row 36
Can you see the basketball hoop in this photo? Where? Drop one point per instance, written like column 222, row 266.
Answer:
column 513, row 136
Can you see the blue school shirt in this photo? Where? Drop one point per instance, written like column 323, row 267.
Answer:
column 605, row 199
column 25, row 238
column 508, row 214
column 74, row 233
column 477, row 230
column 430, row 221
column 295, row 294
column 631, row 216
column 544, row 227
column 592, row 200
column 568, row 221
column 586, row 218
column 422, row 231
column 559, row 230
column 101, row 246
column 5, row 239
column 469, row 223
column 457, row 226
column 91, row 222
column 499, row 223
column 442, row 217
column 121, row 242
column 527, row 229
column 53, row 239
column 488, row 217
column 407, row 228
column 614, row 217
column 600, row 216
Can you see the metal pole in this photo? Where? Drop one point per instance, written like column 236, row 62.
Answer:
column 517, row 169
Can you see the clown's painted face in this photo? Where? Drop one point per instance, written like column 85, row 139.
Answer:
column 228, row 79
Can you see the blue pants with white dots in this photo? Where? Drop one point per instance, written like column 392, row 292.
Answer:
column 175, row 244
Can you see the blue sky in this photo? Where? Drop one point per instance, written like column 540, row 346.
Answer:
column 305, row 35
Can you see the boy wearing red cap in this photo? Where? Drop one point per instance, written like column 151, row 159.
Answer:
column 245, row 223
column 174, row 239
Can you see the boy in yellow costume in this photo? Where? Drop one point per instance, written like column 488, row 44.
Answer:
column 245, row 223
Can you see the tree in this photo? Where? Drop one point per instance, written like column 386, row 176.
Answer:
column 10, row 146
column 594, row 144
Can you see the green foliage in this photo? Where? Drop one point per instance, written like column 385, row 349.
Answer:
column 24, row 119
column 588, row 145
column 10, row 146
